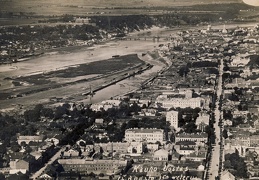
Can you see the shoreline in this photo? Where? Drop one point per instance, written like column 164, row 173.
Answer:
column 68, row 49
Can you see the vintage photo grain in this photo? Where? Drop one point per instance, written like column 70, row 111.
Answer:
column 129, row 90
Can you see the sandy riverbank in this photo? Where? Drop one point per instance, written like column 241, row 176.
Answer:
column 63, row 59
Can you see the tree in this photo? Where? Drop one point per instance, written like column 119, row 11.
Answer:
column 28, row 149
column 238, row 164
column 243, row 106
column 54, row 125
column 238, row 120
column 19, row 176
column 47, row 112
column 31, row 115
column 2, row 149
column 135, row 108
column 29, row 130
column 190, row 127
column 132, row 124
column 227, row 164
column 225, row 133
column 233, row 97
column 92, row 175
column 23, row 144
column 183, row 71
column 60, row 111
column 15, row 147
column 82, row 143
column 227, row 114
column 2, row 176
column 34, row 114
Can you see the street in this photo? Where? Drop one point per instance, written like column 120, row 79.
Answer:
column 37, row 174
column 216, row 157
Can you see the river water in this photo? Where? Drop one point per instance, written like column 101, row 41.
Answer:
column 123, row 87
column 133, row 83
column 96, row 53
column 51, row 62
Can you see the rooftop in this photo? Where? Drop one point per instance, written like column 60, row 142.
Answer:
column 94, row 162
column 185, row 143
column 162, row 152
column 198, row 135
column 142, row 130
column 30, row 137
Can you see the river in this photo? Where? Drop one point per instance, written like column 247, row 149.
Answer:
column 82, row 55
column 123, row 87
column 132, row 84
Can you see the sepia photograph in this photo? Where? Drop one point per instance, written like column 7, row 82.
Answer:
column 129, row 89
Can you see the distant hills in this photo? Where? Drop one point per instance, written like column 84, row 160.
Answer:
column 89, row 7
column 33, row 5
column 110, row 3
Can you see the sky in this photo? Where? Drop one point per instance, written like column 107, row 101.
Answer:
column 252, row 2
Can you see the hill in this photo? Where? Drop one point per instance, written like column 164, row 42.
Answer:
column 60, row 7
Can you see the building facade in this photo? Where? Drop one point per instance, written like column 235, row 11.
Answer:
column 28, row 139
column 178, row 102
column 148, row 135
column 82, row 165
column 172, row 117
column 200, row 138
column 19, row 166
column 160, row 155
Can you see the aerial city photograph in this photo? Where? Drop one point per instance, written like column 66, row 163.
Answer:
column 129, row 89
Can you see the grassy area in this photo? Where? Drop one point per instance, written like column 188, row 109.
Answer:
column 35, row 79
column 154, row 55
column 4, row 95
column 100, row 67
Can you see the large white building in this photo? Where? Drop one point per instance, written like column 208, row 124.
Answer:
column 168, row 103
column 28, row 139
column 96, row 166
column 148, row 135
column 240, row 60
column 105, row 105
column 172, row 117
column 203, row 118
column 199, row 138
column 135, row 148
